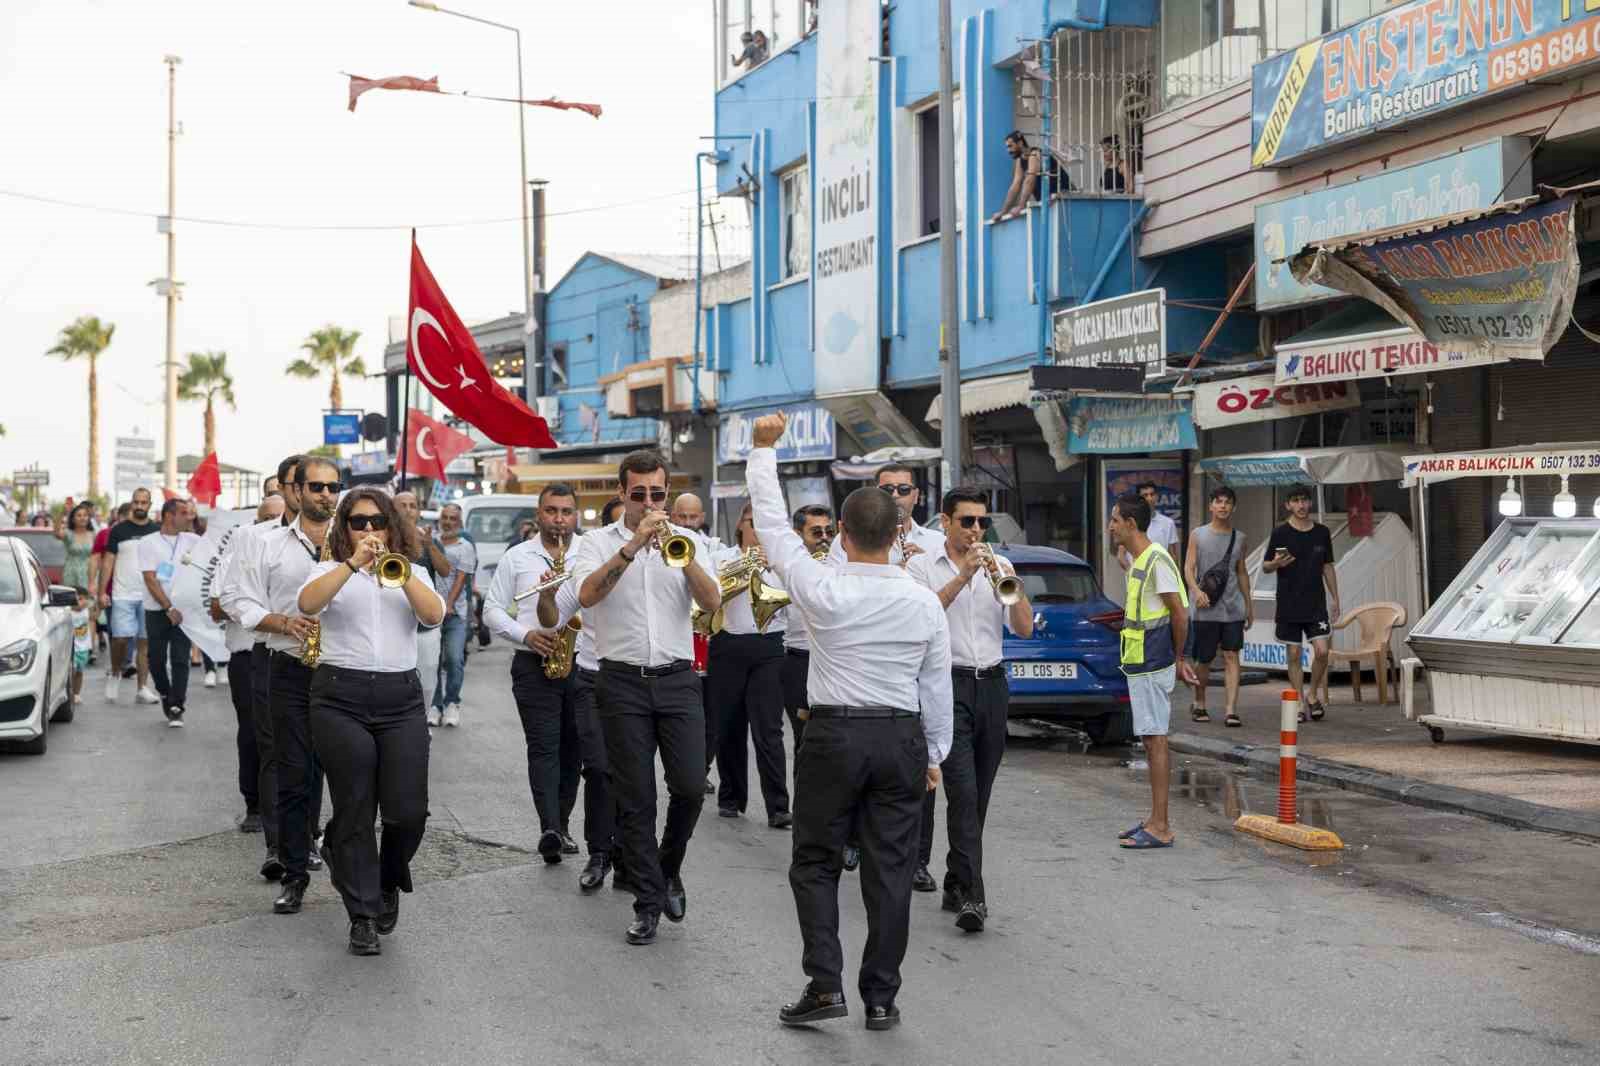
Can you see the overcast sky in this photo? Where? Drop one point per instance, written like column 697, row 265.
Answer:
column 267, row 140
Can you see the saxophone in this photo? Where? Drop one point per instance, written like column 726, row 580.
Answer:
column 311, row 650
column 559, row 663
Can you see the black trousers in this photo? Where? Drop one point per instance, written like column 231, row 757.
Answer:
column 599, row 804
column 243, row 696
column 796, row 669
column 976, row 750
column 266, row 751
column 747, row 696
column 870, row 773
column 371, row 734
column 550, row 729
column 641, row 715
column 168, row 642
column 299, row 773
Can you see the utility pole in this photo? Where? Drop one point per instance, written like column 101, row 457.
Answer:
column 949, row 317
column 533, row 328
column 171, row 474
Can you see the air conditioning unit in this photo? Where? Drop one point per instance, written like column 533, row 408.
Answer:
column 550, row 410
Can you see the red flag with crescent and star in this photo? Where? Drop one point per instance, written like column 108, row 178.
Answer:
column 430, row 446
column 443, row 354
column 205, row 484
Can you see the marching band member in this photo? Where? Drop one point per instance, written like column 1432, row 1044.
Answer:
column 366, row 707
column 648, row 694
column 814, row 524
column 898, row 482
column 746, row 683
column 879, row 728
column 971, row 594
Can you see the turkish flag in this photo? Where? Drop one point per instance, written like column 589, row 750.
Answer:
column 430, row 446
column 443, row 354
column 205, row 484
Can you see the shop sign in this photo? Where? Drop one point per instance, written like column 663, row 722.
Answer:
column 1107, row 425
column 367, row 463
column 1374, row 355
column 808, row 436
column 1409, row 63
column 1122, row 331
column 1262, row 398
column 1511, row 462
column 1468, row 180
column 1257, row 471
column 1269, row 654
column 340, row 428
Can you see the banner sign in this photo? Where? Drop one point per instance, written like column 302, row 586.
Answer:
column 1107, row 425
column 1510, row 462
column 1124, row 330
column 1408, row 63
column 844, row 271
column 1261, row 398
column 341, row 428
column 1502, row 284
column 1257, row 471
column 1373, row 355
column 808, row 436
column 1465, row 181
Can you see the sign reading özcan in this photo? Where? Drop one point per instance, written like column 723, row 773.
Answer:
column 1126, row 330
column 1261, row 398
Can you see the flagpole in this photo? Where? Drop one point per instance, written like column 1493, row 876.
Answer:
column 405, row 398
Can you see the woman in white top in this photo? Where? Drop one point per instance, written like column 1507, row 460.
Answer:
column 367, row 718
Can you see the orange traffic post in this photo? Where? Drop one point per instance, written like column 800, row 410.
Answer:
column 1286, row 828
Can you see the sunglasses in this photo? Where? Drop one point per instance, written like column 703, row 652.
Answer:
column 316, row 488
column 982, row 521
column 363, row 522
column 653, row 495
column 826, row 531
column 898, row 490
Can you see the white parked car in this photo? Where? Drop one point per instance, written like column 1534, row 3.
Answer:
column 35, row 649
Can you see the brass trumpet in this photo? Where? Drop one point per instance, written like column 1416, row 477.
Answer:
column 1007, row 587
column 393, row 570
column 677, row 550
column 765, row 602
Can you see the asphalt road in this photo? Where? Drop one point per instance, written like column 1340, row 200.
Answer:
column 134, row 929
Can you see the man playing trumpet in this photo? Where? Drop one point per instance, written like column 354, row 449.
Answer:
column 981, row 594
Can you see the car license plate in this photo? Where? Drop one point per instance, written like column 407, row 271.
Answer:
column 1045, row 671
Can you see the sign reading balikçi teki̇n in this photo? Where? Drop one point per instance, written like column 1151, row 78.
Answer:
column 1409, row 62
column 1126, row 330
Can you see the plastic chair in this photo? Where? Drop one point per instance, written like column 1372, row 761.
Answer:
column 1377, row 622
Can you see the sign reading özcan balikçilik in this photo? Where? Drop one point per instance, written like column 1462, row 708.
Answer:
column 1122, row 331
column 1412, row 61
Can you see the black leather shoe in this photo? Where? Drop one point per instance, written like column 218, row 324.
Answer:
column 568, row 845
column 550, row 846
column 881, row 1018
column 251, row 822
column 391, row 912
column 677, row 900
column 923, row 881
column 272, row 869
column 852, row 857
column 364, row 937
column 594, row 874
column 727, row 812
column 972, row 916
column 813, row 1006
column 781, row 820
column 643, row 929
column 294, row 894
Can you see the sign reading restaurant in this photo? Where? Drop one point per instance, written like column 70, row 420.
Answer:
column 1122, row 331
column 1409, row 62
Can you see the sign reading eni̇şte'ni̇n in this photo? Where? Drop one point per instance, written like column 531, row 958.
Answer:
column 844, row 274
column 1410, row 62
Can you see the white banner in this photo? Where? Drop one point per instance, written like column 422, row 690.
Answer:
column 844, row 268
column 1261, row 399
column 191, row 588
column 1373, row 355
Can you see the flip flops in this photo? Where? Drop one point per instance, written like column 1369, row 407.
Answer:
column 1232, row 721
column 1128, row 834
column 1142, row 840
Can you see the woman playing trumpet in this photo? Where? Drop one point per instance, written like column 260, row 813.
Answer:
column 367, row 718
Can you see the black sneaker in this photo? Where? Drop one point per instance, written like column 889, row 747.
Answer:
column 550, row 846
column 972, row 916
column 390, row 917
column 364, row 937
column 813, row 1006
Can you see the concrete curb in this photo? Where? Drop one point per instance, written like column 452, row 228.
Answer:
column 1520, row 814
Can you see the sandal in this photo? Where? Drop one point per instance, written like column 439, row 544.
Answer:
column 1199, row 714
column 1128, row 835
column 1144, row 840
column 1233, row 721
column 1317, row 712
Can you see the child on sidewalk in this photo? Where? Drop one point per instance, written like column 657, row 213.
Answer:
column 82, row 643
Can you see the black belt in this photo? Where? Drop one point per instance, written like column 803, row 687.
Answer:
column 289, row 657
column 798, row 652
column 827, row 710
column 369, row 676
column 979, row 672
column 675, row 666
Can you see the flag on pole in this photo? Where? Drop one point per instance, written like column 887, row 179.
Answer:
column 205, row 484
column 443, row 354
column 359, row 85
column 431, row 446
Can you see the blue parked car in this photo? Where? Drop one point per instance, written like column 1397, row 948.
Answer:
column 1070, row 670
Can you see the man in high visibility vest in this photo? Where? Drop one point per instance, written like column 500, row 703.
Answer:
column 1155, row 624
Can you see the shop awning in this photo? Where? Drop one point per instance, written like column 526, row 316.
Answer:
column 983, row 395
column 1318, row 466
column 865, row 467
column 1528, row 460
column 1364, row 341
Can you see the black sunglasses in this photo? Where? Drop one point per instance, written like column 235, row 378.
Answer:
column 654, row 495
column 318, row 487
column 363, row 522
column 898, row 490
column 983, row 521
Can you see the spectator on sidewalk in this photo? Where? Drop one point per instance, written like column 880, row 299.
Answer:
column 82, row 641
column 1163, row 530
column 1219, row 587
column 457, row 594
column 125, row 601
column 1300, row 552
column 100, row 566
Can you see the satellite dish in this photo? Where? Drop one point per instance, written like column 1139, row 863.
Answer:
column 374, row 427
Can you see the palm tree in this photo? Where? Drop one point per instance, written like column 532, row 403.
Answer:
column 86, row 338
column 206, row 378
column 329, row 349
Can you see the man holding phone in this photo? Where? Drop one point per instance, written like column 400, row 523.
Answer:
column 1300, row 552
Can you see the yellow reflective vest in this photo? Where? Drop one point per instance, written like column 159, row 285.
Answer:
column 1147, row 644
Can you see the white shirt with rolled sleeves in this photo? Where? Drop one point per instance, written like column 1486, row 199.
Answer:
column 519, row 570
column 879, row 638
column 238, row 638
column 272, row 568
column 644, row 619
column 738, row 617
column 975, row 616
column 366, row 626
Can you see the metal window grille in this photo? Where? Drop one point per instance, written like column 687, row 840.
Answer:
column 1103, row 92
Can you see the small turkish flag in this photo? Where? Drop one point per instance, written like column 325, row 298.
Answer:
column 443, row 354
column 430, row 446
column 205, row 484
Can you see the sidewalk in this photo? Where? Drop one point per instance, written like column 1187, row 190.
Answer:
column 1372, row 748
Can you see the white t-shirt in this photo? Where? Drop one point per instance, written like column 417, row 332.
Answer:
column 1163, row 531
column 1163, row 578
column 163, row 555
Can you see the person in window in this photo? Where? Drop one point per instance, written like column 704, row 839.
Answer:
column 1114, row 169
column 1029, row 164
column 756, row 49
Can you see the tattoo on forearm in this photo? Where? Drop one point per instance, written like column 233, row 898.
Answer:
column 609, row 579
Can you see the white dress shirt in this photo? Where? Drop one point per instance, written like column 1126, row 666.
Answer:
column 644, row 619
column 737, row 616
column 272, row 567
column 930, row 541
column 161, row 555
column 878, row 637
column 975, row 615
column 236, row 636
column 229, row 588
column 518, row 571
column 366, row 626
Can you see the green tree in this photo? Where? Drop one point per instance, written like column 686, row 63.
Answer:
column 85, row 339
column 207, row 378
column 329, row 349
